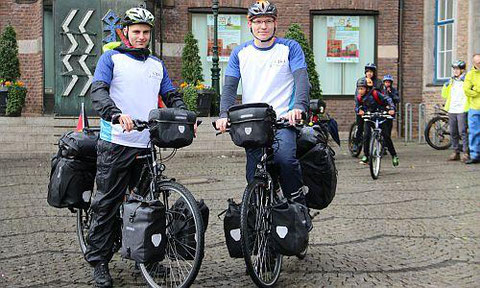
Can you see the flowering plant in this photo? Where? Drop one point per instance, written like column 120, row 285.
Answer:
column 190, row 93
column 16, row 97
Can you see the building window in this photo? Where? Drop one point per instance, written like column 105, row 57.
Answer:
column 444, row 27
column 351, row 50
column 233, row 30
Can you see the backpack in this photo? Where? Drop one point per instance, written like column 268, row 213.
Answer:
column 290, row 225
column 375, row 97
column 183, row 227
column 319, row 175
column 144, row 230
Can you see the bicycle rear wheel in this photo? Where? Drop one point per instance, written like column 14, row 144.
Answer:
column 185, row 249
column 437, row 133
column 84, row 218
column 352, row 138
column 263, row 264
column 376, row 151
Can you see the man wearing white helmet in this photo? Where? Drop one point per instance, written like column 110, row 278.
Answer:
column 273, row 71
column 126, row 85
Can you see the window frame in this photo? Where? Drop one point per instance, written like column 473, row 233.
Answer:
column 346, row 12
column 443, row 23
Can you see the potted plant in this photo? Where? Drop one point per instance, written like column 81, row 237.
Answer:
column 196, row 95
column 10, row 72
column 16, row 98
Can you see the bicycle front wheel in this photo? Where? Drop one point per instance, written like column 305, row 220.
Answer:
column 437, row 133
column 352, row 138
column 263, row 263
column 376, row 151
column 185, row 243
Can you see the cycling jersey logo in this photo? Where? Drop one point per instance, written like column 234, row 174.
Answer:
column 181, row 129
column 155, row 75
column 248, row 130
column 279, row 62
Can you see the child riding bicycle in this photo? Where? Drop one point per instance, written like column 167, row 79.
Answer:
column 370, row 99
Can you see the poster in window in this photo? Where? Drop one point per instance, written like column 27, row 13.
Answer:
column 343, row 39
column 229, row 32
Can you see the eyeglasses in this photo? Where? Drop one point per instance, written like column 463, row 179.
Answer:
column 260, row 22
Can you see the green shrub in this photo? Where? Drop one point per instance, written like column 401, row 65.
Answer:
column 9, row 63
column 191, row 64
column 295, row 32
column 190, row 96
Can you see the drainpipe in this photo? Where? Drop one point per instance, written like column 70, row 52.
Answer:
column 400, row 62
column 161, row 29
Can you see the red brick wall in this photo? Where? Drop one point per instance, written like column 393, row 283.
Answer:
column 299, row 12
column 27, row 19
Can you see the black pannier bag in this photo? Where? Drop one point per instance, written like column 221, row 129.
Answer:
column 183, row 227
column 79, row 145
column 308, row 137
column 173, row 128
column 319, row 175
column 71, row 182
column 231, row 227
column 143, row 234
column 252, row 125
column 290, row 224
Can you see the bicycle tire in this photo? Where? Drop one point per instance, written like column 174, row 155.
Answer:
column 439, row 137
column 83, row 225
column 351, row 138
column 164, row 273
column 265, row 267
column 375, row 159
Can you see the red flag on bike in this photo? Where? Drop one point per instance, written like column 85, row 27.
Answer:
column 82, row 119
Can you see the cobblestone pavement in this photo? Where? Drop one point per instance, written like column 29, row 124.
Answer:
column 418, row 225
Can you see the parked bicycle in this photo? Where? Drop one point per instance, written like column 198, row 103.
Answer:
column 184, row 248
column 377, row 146
column 437, row 131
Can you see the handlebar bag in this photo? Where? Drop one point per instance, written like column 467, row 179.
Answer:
column 290, row 224
column 173, row 127
column 182, row 228
column 143, row 235
column 71, row 182
column 252, row 125
column 319, row 175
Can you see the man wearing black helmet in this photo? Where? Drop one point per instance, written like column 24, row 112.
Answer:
column 369, row 99
column 273, row 71
column 126, row 85
column 457, row 107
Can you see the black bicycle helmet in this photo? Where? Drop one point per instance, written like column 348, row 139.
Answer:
column 138, row 15
column 262, row 8
column 371, row 66
column 362, row 82
column 459, row 64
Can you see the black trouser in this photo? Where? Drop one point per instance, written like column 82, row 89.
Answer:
column 360, row 124
column 386, row 132
column 117, row 169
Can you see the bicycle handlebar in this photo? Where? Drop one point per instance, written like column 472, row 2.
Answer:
column 383, row 114
column 141, row 125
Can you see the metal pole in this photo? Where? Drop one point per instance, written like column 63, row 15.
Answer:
column 408, row 122
column 215, row 59
column 421, row 121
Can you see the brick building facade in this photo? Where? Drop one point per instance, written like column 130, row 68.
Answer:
column 405, row 41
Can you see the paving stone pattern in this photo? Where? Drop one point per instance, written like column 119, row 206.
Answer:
column 417, row 226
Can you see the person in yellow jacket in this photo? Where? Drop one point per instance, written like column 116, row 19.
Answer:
column 471, row 86
column 457, row 108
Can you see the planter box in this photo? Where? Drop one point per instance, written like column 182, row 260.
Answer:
column 3, row 100
column 204, row 102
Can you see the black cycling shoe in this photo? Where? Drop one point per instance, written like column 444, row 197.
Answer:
column 101, row 275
